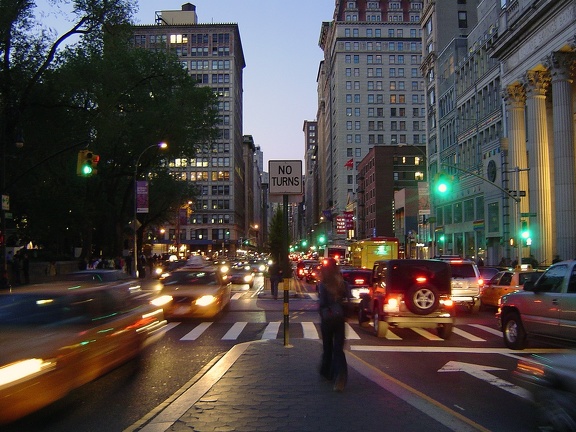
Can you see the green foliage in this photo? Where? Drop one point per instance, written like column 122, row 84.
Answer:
column 100, row 94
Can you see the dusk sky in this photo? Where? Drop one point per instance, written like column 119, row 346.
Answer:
column 280, row 42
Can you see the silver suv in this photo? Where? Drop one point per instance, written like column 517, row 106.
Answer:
column 466, row 283
column 545, row 308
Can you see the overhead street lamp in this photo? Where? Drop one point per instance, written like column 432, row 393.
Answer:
column 162, row 145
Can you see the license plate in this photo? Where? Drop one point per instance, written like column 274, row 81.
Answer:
column 181, row 310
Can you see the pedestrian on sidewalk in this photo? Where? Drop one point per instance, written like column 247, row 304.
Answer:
column 275, row 278
column 333, row 291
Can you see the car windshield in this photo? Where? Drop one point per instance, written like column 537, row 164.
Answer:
column 462, row 270
column 193, row 277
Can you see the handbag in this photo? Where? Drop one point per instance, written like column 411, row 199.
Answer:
column 332, row 311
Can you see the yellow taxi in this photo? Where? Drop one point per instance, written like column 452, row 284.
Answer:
column 58, row 336
column 505, row 282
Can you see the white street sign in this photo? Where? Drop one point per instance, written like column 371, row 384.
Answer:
column 285, row 177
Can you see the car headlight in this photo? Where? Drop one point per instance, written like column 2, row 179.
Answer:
column 162, row 300
column 248, row 278
column 205, row 300
column 158, row 270
column 261, row 268
column 24, row 369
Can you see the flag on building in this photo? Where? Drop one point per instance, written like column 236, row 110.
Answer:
column 349, row 164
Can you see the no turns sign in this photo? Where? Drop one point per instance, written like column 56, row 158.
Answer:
column 285, row 177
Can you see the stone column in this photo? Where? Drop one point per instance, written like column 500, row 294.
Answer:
column 561, row 65
column 540, row 182
column 515, row 97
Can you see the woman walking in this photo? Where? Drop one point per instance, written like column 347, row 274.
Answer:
column 332, row 292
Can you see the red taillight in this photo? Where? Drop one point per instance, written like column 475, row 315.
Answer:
column 480, row 282
column 421, row 279
column 359, row 281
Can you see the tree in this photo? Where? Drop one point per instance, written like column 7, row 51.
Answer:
column 105, row 95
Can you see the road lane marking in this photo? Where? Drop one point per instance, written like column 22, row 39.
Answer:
column 350, row 333
column 196, row 332
column 439, row 349
column 467, row 335
column 309, row 330
column 237, row 296
column 234, row 331
column 487, row 329
column 271, row 330
column 481, row 372
column 425, row 333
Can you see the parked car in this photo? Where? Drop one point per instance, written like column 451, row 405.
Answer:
column 545, row 308
column 552, row 382
column 466, row 283
column 488, row 273
column 57, row 336
column 505, row 282
column 195, row 291
column 409, row 293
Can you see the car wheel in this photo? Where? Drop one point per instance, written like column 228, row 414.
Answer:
column 380, row 327
column 444, row 331
column 362, row 315
column 422, row 300
column 513, row 331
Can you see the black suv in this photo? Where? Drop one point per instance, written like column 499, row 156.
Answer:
column 409, row 293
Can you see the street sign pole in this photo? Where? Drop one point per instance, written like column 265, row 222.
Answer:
column 285, row 182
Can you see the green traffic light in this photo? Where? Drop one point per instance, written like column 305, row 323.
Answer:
column 322, row 239
column 86, row 170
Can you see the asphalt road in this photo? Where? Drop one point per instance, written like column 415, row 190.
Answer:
column 470, row 373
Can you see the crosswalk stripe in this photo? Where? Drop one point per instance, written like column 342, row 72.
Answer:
column 310, row 331
column 425, row 333
column 237, row 296
column 350, row 333
column 197, row 331
column 486, row 328
column 467, row 335
column 271, row 330
column 234, row 331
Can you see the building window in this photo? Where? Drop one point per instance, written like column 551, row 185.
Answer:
column 462, row 19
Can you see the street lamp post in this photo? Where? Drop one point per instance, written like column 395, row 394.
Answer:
column 162, row 145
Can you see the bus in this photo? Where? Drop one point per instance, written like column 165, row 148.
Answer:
column 363, row 253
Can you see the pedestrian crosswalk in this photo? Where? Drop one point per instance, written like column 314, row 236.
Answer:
column 311, row 330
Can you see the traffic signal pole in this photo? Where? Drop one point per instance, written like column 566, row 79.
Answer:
column 286, row 271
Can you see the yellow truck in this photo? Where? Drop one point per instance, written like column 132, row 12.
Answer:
column 363, row 253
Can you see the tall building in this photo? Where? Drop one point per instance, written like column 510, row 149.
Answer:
column 370, row 90
column 452, row 141
column 213, row 55
column 311, row 209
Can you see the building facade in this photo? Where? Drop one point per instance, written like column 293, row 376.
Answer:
column 370, row 94
column 212, row 53
column 536, row 46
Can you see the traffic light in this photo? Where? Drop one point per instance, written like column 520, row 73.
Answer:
column 304, row 243
column 525, row 234
column 321, row 239
column 443, row 183
column 87, row 163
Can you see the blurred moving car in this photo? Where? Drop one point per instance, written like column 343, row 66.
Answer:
column 409, row 293
column 241, row 274
column 196, row 290
column 55, row 337
column 505, row 282
column 545, row 308
column 98, row 275
column 359, row 281
column 552, row 381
